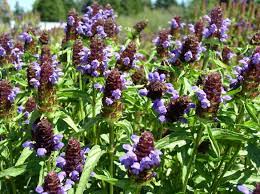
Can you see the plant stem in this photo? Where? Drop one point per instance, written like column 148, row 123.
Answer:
column 192, row 158
column 138, row 189
column 227, row 167
column 111, row 155
column 82, row 114
column 95, row 133
column 205, row 62
column 219, row 166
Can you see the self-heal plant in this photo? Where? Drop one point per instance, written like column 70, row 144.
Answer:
column 72, row 161
column 141, row 157
column 43, row 139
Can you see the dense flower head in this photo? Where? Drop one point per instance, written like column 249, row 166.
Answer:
column 227, row 54
column 7, row 97
column 138, row 77
column 140, row 26
column 157, row 87
column 188, row 51
column 198, row 29
column 217, row 26
column 98, row 20
column 177, row 108
column 162, row 43
column 54, row 184
column 44, row 140
column 10, row 52
column 72, row 161
column 248, row 75
column 72, row 25
column 44, row 38
column 141, row 157
column 255, row 40
column 49, row 74
column 175, row 25
column 127, row 57
column 95, row 58
column 27, row 108
column 112, row 106
column 77, row 48
column 33, row 74
column 211, row 95
column 28, row 37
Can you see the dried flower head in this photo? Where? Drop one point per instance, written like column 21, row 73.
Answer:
column 138, row 77
column 77, row 48
column 44, row 38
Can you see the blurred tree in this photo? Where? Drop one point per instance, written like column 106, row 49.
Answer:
column 50, row 10
column 69, row 4
column 18, row 10
column 5, row 11
column 165, row 3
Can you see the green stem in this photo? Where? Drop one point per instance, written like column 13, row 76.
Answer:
column 94, row 96
column 227, row 167
column 192, row 158
column 220, row 165
column 82, row 113
column 138, row 189
column 111, row 155
column 205, row 62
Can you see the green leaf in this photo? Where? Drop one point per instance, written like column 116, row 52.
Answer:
column 92, row 160
column 228, row 135
column 251, row 111
column 24, row 155
column 213, row 142
column 13, row 171
column 67, row 119
column 172, row 140
column 254, row 153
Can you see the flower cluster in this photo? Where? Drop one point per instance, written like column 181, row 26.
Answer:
column 198, row 29
column 211, row 96
column 175, row 25
column 138, row 77
column 44, row 38
column 141, row 157
column 77, row 48
column 177, row 108
column 72, row 25
column 44, row 140
column 53, row 184
column 127, row 58
column 255, row 40
column 188, row 51
column 28, row 107
column 163, row 43
column 227, row 54
column 98, row 20
column 72, row 161
column 28, row 38
column 46, row 76
column 115, row 83
column 7, row 97
column 138, row 28
column 217, row 26
column 33, row 74
column 155, row 90
column 94, row 59
column 248, row 75
column 10, row 52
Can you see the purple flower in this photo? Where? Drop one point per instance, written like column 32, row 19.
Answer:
column 143, row 92
column 116, row 94
column 99, row 87
column 244, row 189
column 2, row 52
column 109, row 101
column 35, row 83
column 126, row 61
column 70, row 21
column 41, row 152
column 25, row 37
column 191, row 28
column 12, row 95
column 188, row 56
